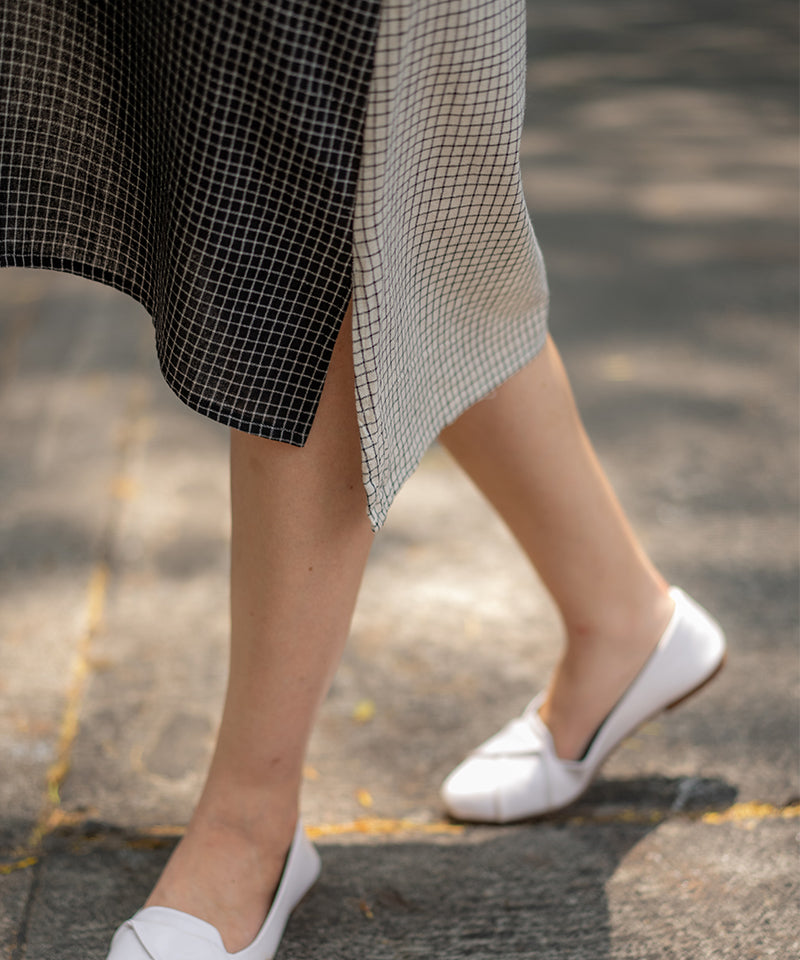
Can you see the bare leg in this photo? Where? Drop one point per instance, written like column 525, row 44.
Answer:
column 526, row 449
column 300, row 539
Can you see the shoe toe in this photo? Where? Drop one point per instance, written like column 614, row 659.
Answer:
column 127, row 946
column 161, row 933
column 469, row 792
column 157, row 933
column 496, row 789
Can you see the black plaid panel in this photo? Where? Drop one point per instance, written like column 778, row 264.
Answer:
column 202, row 156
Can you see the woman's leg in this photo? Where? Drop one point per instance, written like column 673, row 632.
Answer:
column 300, row 539
column 526, row 450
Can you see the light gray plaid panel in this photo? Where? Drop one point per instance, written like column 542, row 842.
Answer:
column 450, row 293
column 202, row 156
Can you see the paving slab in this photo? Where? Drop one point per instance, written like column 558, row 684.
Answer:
column 561, row 891
column 15, row 899
column 659, row 163
column 63, row 400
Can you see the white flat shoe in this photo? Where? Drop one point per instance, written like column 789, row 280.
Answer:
column 161, row 933
column 517, row 773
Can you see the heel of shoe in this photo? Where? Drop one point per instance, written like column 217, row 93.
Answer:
column 699, row 687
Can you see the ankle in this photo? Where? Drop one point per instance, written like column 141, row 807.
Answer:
column 225, row 872
column 620, row 626
column 248, row 805
column 596, row 668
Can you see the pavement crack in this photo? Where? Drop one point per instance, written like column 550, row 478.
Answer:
column 70, row 720
column 79, row 673
column 51, row 815
column 20, row 947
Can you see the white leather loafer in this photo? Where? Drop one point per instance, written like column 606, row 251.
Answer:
column 160, row 933
column 517, row 773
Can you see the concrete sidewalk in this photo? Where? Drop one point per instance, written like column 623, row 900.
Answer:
column 659, row 162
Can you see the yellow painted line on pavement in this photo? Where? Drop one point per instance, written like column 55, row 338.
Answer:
column 375, row 826
column 746, row 814
column 23, row 864
column 628, row 815
column 378, row 826
column 752, row 811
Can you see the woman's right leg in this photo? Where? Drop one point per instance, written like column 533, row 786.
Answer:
column 300, row 540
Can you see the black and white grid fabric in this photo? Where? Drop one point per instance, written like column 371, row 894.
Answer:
column 450, row 295
column 244, row 167
column 202, row 156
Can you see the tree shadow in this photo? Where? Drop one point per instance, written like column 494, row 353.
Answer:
column 536, row 889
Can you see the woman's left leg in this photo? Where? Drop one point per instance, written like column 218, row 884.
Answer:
column 526, row 449
column 633, row 646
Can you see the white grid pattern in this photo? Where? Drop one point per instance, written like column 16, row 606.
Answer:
column 203, row 157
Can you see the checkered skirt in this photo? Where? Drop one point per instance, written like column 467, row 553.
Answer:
column 244, row 167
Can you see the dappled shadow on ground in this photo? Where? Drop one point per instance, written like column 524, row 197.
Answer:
column 659, row 153
column 516, row 892
column 659, row 164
